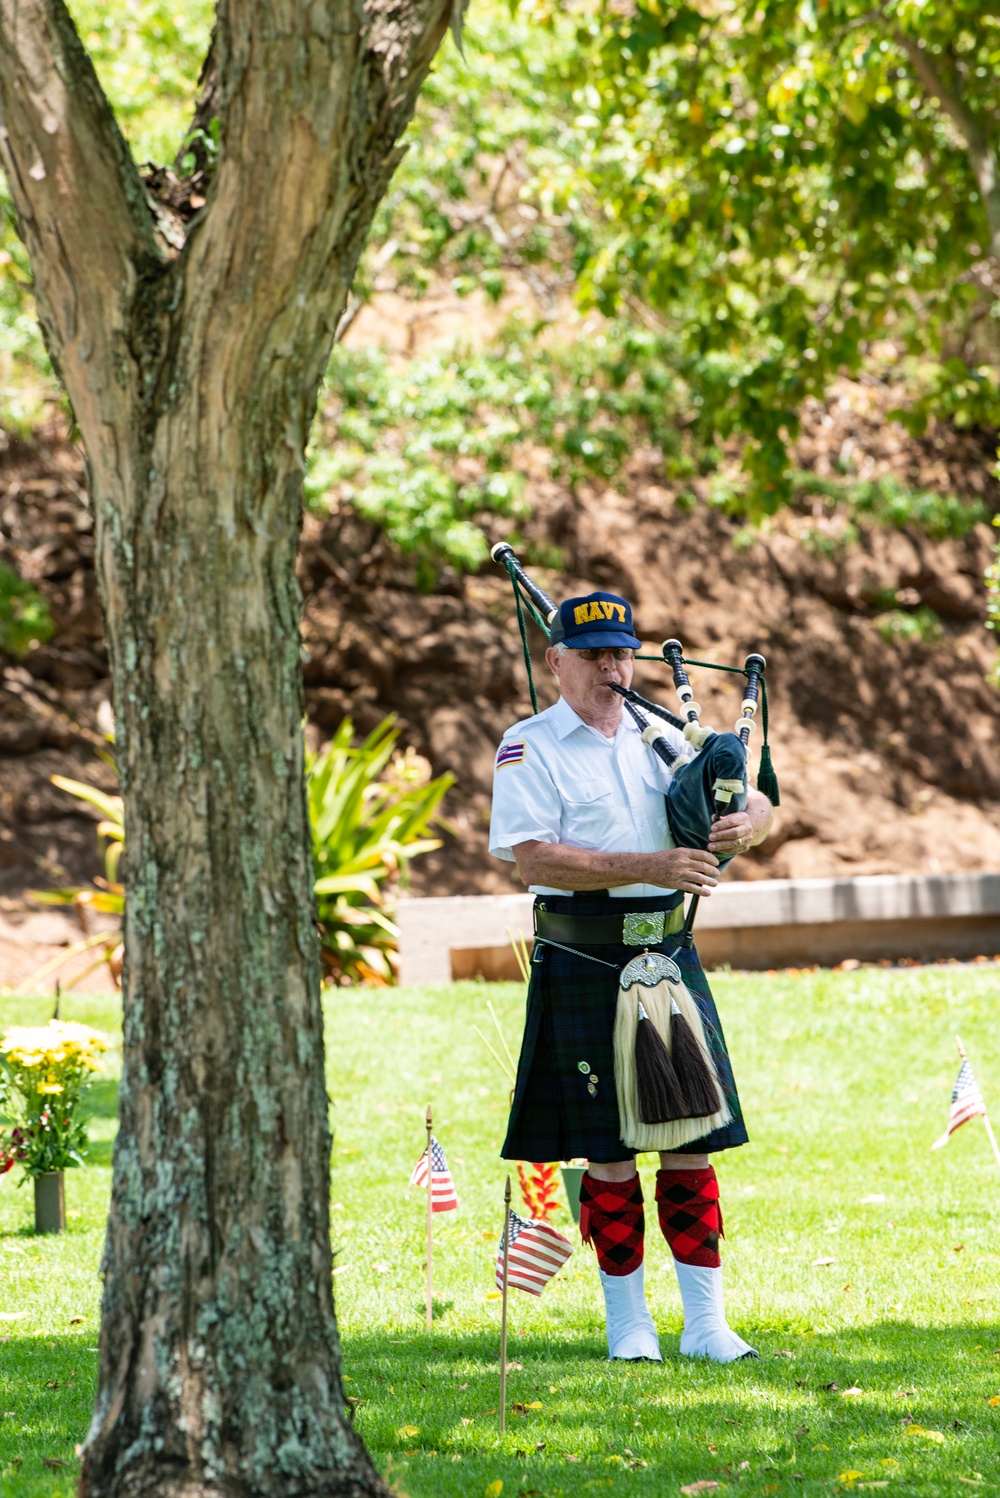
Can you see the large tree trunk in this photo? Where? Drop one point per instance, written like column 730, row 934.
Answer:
column 193, row 376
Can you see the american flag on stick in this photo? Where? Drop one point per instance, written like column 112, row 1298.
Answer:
column 444, row 1197
column 536, row 1253
column 966, row 1102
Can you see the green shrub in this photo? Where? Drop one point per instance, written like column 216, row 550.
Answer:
column 429, row 451
column 371, row 809
column 24, row 614
column 896, row 626
column 888, row 502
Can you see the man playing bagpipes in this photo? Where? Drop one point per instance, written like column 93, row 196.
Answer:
column 622, row 1049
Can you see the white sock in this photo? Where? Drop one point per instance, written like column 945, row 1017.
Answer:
column 631, row 1333
column 706, row 1332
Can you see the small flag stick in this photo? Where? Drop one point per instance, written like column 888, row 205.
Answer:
column 503, row 1309
column 430, row 1222
column 986, row 1118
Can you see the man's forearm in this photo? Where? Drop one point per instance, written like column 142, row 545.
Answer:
column 563, row 867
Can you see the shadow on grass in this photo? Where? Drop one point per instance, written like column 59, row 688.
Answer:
column 884, row 1400
column 47, row 1386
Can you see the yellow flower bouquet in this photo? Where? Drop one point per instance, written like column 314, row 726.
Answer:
column 44, row 1072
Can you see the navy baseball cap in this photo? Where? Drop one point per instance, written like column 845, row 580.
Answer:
column 597, row 622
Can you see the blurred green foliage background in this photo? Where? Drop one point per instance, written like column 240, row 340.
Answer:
column 675, row 222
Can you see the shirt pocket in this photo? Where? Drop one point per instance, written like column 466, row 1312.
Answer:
column 588, row 814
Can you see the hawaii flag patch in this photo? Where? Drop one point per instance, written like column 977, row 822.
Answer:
column 510, row 754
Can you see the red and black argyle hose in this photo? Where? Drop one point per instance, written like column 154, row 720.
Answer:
column 687, row 1202
column 613, row 1220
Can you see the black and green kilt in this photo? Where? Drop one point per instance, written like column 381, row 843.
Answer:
column 568, row 1044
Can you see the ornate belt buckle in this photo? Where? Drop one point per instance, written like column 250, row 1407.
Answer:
column 644, row 928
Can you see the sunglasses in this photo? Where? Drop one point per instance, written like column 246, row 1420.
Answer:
column 620, row 653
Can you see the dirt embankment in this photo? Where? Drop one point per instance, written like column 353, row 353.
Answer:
column 887, row 752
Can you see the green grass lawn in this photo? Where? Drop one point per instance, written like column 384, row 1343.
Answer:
column 877, row 1366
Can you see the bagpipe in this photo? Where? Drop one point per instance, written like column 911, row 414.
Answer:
column 667, row 1083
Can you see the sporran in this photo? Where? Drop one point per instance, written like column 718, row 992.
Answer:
column 652, row 991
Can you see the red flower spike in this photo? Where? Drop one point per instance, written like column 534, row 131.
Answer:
column 539, row 1189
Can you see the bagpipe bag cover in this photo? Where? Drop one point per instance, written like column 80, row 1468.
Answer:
column 691, row 796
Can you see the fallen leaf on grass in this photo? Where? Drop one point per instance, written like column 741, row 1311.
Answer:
column 995, row 1399
column 854, row 1389
column 974, row 1480
column 407, row 1432
column 492, row 1294
column 928, row 1435
column 520, row 1408
column 832, row 1388
column 467, row 1419
column 706, row 1485
column 76, row 1321
column 784, row 1353
column 850, row 1478
column 52, row 1383
column 55, row 1462
column 821, row 1263
column 463, row 1386
column 517, row 1367
column 494, row 1489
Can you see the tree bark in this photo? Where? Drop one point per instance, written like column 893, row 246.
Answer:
column 974, row 131
column 193, row 376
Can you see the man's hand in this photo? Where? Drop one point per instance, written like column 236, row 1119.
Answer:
column 732, row 834
column 687, row 869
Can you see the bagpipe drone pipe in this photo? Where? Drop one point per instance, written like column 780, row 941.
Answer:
column 666, row 1079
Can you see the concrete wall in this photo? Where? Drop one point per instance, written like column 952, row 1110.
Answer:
column 763, row 924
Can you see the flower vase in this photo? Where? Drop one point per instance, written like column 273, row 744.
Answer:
column 50, row 1203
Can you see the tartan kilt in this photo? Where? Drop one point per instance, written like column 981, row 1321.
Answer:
column 570, row 1025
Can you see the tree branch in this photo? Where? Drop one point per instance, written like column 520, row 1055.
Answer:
column 977, row 140
column 311, row 100
column 81, row 207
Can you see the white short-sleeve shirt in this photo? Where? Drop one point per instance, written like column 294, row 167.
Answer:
column 557, row 780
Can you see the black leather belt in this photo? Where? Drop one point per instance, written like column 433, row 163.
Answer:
column 643, row 928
